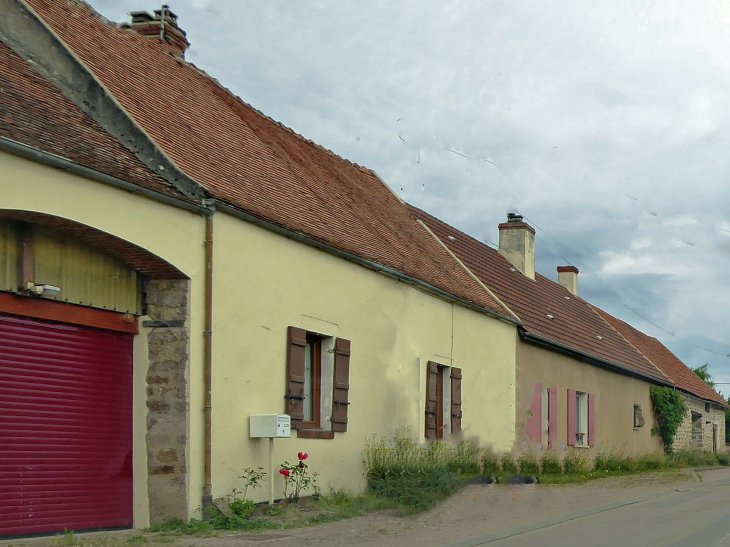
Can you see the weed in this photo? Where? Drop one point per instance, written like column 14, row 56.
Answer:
column 528, row 465
column 490, row 464
column 508, row 465
column 574, row 464
column 136, row 539
column 551, row 464
column 68, row 539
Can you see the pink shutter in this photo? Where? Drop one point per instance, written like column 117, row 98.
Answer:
column 571, row 417
column 591, row 424
column 552, row 416
column 533, row 424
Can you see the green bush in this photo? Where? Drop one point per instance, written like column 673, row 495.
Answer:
column 416, row 477
column 574, row 465
column 669, row 410
column 528, row 465
column 550, row 464
column 508, row 465
column 490, row 464
column 723, row 460
column 611, row 461
column 242, row 507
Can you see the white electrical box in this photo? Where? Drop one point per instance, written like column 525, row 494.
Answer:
column 262, row 426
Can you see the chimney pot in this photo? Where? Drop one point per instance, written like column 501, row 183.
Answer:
column 568, row 278
column 163, row 26
column 517, row 244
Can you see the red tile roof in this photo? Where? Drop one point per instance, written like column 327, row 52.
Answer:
column 36, row 114
column 664, row 359
column 249, row 161
column 573, row 322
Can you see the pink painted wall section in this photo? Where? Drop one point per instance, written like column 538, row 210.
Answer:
column 552, row 417
column 591, row 420
column 571, row 417
column 533, row 424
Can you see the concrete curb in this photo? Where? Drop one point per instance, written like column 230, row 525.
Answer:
column 495, row 536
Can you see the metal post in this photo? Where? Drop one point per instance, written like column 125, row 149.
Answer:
column 271, row 471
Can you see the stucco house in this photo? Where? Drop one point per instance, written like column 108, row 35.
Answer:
column 173, row 262
column 583, row 376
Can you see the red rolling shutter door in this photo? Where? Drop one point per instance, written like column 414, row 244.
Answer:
column 66, row 427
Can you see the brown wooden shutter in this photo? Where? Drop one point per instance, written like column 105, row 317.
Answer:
column 591, row 420
column 571, row 417
column 432, row 377
column 295, row 352
column 341, row 400
column 455, row 400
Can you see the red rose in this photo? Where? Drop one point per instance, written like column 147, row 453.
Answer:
column 303, row 457
column 301, row 464
column 284, row 472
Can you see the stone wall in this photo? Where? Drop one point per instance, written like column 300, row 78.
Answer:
column 167, row 402
column 702, row 441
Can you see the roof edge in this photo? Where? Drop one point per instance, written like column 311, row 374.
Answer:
column 541, row 341
column 32, row 39
column 467, row 270
column 59, row 162
column 370, row 264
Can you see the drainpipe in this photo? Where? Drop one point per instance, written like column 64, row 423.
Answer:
column 208, row 359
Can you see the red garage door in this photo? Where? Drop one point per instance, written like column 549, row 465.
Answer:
column 65, row 427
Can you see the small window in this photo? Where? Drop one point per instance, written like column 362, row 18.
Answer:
column 707, row 407
column 638, row 417
column 312, row 382
column 581, row 419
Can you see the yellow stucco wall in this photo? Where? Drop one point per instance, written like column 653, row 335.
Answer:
column 264, row 283
column 615, row 397
column 173, row 234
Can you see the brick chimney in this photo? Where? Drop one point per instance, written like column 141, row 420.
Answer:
column 568, row 278
column 517, row 244
column 162, row 26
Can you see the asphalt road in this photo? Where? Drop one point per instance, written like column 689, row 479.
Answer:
column 688, row 516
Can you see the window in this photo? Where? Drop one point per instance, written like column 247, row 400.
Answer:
column 581, row 419
column 638, row 417
column 707, row 407
column 443, row 400
column 317, row 383
column 312, row 382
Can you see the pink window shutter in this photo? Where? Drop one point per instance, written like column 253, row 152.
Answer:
column 533, row 424
column 552, row 416
column 591, row 421
column 571, row 417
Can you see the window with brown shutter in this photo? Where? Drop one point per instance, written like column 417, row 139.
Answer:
column 432, row 378
column 341, row 393
column 295, row 358
column 455, row 400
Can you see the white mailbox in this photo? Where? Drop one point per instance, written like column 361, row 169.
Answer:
column 262, row 426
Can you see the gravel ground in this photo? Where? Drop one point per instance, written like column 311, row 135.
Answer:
column 475, row 510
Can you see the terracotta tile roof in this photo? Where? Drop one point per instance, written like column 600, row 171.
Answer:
column 250, row 161
column 573, row 322
column 36, row 114
column 664, row 359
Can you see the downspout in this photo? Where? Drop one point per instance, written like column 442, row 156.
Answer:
column 208, row 358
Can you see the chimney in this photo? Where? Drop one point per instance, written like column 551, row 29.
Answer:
column 517, row 244
column 163, row 26
column 568, row 278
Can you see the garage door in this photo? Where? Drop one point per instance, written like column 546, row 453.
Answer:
column 65, row 427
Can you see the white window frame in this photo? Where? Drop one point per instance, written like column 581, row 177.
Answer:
column 581, row 419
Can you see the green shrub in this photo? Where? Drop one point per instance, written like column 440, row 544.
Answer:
column 694, row 458
column 611, row 461
column 550, row 464
column 574, row 464
column 669, row 410
column 723, row 460
column 508, row 465
column 650, row 462
column 417, row 477
column 528, row 465
column 241, row 507
column 490, row 464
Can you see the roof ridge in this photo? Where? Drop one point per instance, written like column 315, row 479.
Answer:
column 594, row 308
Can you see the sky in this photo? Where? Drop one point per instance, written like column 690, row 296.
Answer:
column 606, row 124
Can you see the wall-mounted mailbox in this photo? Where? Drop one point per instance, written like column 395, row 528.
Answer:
column 271, row 426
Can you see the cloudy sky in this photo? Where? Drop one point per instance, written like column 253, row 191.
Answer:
column 606, row 124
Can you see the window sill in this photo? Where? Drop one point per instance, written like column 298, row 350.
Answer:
column 314, row 434
column 581, row 446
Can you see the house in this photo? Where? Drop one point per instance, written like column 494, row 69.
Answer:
column 582, row 387
column 704, row 426
column 174, row 262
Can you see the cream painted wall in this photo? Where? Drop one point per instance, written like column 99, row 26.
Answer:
column 264, row 283
column 168, row 232
column 615, row 397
